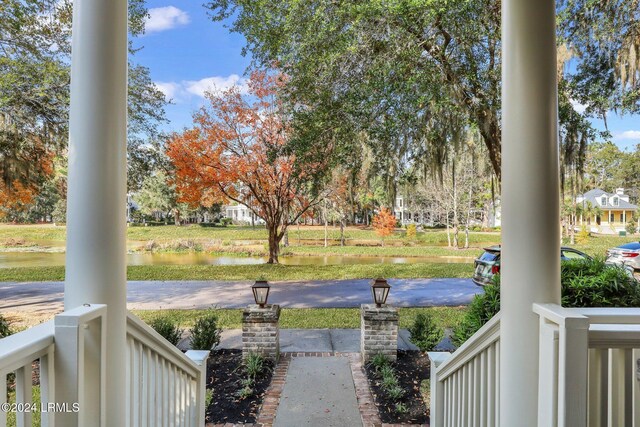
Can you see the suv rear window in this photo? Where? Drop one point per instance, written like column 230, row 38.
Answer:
column 489, row 256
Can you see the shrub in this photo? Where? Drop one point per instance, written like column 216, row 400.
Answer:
column 167, row 328
column 5, row 328
column 205, row 334
column 411, row 231
column 631, row 227
column 480, row 311
column 583, row 235
column 226, row 221
column 585, row 283
column 425, row 333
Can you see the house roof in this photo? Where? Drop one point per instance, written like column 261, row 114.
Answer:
column 593, row 195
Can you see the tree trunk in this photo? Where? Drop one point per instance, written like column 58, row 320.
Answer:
column 274, row 244
column 448, row 233
column 342, row 232
column 326, row 231
column 286, row 239
column 176, row 216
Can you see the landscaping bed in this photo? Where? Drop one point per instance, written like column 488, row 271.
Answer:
column 231, row 401
column 411, row 370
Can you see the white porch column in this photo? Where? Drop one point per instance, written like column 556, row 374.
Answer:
column 530, row 199
column 96, row 207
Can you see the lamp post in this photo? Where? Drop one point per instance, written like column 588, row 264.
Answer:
column 261, row 292
column 380, row 290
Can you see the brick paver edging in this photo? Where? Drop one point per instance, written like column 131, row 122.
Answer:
column 366, row 404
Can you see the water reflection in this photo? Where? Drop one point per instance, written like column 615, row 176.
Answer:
column 39, row 259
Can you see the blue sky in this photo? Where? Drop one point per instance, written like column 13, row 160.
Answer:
column 188, row 53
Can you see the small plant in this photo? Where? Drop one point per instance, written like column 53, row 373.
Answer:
column 5, row 329
column 167, row 328
column 400, row 408
column 208, row 397
column 389, row 381
column 425, row 333
column 205, row 334
column 255, row 365
column 395, row 393
column 378, row 361
column 244, row 392
column 411, row 231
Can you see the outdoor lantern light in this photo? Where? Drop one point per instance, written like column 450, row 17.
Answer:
column 261, row 292
column 380, row 290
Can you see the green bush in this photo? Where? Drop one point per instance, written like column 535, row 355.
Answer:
column 592, row 283
column 631, row 227
column 205, row 334
column 226, row 221
column 480, row 311
column 425, row 333
column 411, row 231
column 585, row 283
column 5, row 329
column 167, row 328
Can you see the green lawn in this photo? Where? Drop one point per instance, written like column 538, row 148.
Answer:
column 307, row 318
column 231, row 233
column 252, row 272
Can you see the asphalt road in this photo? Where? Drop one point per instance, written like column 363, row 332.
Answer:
column 149, row 295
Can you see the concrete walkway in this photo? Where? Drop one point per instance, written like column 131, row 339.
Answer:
column 318, row 391
column 151, row 295
column 314, row 340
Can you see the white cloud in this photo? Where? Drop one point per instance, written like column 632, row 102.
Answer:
column 580, row 108
column 627, row 135
column 165, row 18
column 170, row 89
column 215, row 84
column 185, row 89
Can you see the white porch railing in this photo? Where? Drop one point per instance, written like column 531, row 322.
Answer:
column 589, row 371
column 465, row 385
column 163, row 383
column 589, row 366
column 158, row 372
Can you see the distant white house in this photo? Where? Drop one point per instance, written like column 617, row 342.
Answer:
column 241, row 214
column 615, row 210
column 409, row 212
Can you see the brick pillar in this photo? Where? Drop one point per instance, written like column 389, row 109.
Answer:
column 378, row 331
column 261, row 331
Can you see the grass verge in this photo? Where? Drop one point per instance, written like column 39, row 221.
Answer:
column 251, row 272
column 307, row 318
column 303, row 318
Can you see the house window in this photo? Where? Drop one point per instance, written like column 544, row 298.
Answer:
column 615, row 201
column 621, row 217
column 603, row 201
column 612, row 217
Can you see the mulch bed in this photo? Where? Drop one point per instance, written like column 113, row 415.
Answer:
column 412, row 367
column 224, row 375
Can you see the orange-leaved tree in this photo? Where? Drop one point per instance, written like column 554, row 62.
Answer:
column 237, row 151
column 384, row 223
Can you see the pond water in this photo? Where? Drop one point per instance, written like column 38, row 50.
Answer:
column 43, row 259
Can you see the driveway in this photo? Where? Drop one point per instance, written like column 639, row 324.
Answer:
column 151, row 295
